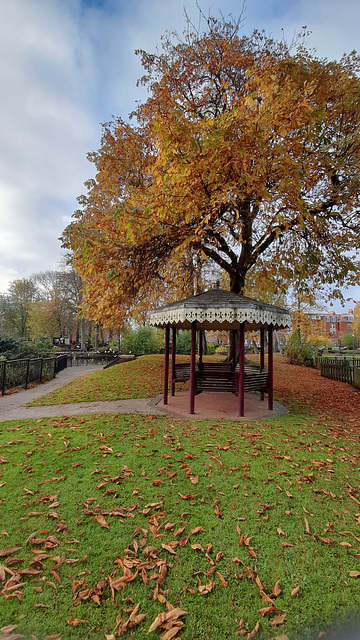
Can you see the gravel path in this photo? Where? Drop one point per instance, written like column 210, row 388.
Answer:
column 13, row 405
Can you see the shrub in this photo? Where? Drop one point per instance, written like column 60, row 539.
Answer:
column 318, row 341
column 183, row 341
column 144, row 341
column 17, row 348
column 298, row 352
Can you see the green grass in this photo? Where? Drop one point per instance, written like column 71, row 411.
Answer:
column 140, row 378
column 271, row 482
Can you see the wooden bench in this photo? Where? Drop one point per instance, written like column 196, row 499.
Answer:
column 220, row 377
column 255, row 380
column 182, row 372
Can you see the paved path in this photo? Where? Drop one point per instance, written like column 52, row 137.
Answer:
column 213, row 406
column 13, row 405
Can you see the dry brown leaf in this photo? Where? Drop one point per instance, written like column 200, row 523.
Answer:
column 73, row 622
column 198, row 530
column 278, row 620
column 295, row 592
column 8, row 551
column 267, row 598
column 253, row 633
column 101, row 521
column 267, row 611
column 222, row 580
column 276, row 589
column 354, row 574
column 169, row 549
column 171, row 633
column 8, row 629
column 307, row 527
column 172, row 615
column 204, row 589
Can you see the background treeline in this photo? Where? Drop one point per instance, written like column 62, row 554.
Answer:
column 36, row 310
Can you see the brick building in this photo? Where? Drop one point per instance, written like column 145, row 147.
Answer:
column 333, row 325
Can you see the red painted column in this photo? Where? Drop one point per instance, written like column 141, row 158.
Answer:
column 166, row 363
column 262, row 356
column 241, row 369
column 192, row 368
column 200, row 348
column 233, row 347
column 173, row 359
column 270, row 369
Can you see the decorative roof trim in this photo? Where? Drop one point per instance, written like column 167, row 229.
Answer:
column 184, row 316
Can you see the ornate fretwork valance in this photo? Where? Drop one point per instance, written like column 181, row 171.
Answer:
column 219, row 309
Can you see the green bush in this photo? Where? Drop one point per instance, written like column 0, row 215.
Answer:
column 144, row 341
column 17, row 348
column 183, row 341
column 349, row 341
column 298, row 352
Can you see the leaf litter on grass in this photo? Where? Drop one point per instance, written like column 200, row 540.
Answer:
column 124, row 532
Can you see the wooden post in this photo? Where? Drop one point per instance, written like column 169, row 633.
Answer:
column 262, row 356
column 233, row 349
column 166, row 363
column 241, row 369
column 173, row 359
column 192, row 368
column 200, row 348
column 270, row 369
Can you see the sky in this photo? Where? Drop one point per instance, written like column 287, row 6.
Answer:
column 67, row 66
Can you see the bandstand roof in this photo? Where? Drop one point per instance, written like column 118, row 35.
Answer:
column 218, row 309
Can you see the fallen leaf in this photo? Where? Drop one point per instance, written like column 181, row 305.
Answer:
column 8, row 551
column 276, row 589
column 278, row 620
column 295, row 592
column 354, row 574
column 253, row 633
column 169, row 549
column 198, row 530
column 75, row 623
column 222, row 580
column 101, row 521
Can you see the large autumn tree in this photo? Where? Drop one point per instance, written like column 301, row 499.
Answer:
column 245, row 155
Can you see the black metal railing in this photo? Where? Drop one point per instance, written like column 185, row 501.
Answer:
column 21, row 373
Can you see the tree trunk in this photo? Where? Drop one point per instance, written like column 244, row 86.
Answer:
column 237, row 285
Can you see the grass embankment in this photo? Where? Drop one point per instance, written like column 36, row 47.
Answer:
column 251, row 529
column 140, row 378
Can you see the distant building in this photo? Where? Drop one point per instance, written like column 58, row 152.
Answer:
column 333, row 325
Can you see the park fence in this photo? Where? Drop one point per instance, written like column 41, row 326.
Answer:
column 21, row 373
column 340, row 369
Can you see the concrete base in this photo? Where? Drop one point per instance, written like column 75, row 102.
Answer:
column 219, row 406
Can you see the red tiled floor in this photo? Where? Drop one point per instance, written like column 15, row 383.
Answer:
column 215, row 406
